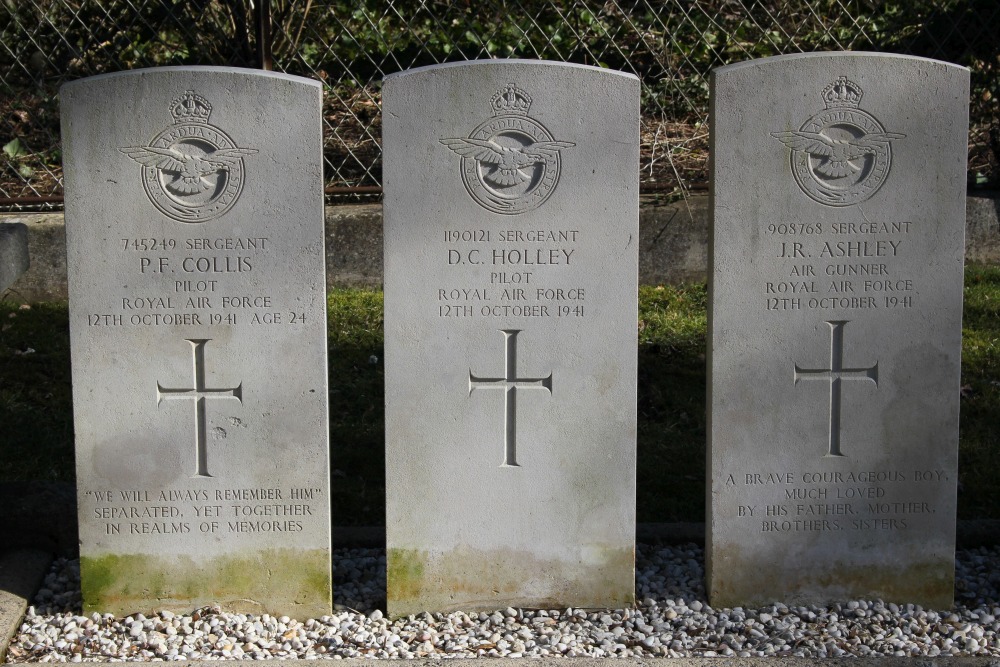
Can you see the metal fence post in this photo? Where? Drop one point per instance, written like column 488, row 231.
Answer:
column 262, row 9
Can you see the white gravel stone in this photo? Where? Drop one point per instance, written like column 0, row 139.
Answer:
column 673, row 620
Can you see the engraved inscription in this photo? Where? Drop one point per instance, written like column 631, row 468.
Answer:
column 199, row 393
column 192, row 171
column 841, row 265
column 509, row 383
column 779, row 501
column 510, row 163
column 187, row 511
column 841, row 156
column 528, row 278
column 194, row 289
column 835, row 374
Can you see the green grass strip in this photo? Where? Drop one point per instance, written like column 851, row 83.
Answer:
column 36, row 401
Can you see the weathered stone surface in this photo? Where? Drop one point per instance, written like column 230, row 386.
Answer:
column 198, row 332
column 14, row 259
column 835, row 328
column 673, row 242
column 511, row 234
column 982, row 227
column 354, row 246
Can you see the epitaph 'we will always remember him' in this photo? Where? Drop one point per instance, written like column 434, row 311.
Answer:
column 511, row 230
column 195, row 246
column 838, row 187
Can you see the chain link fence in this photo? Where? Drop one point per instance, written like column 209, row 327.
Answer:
column 672, row 45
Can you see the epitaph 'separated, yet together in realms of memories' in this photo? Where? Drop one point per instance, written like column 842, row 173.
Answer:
column 511, row 230
column 838, row 187
column 194, row 228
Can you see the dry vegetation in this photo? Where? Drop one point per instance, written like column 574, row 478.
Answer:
column 351, row 45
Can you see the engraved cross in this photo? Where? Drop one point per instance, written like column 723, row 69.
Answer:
column 836, row 374
column 199, row 393
column 510, row 384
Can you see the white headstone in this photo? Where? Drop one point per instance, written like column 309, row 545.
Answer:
column 511, row 228
column 835, row 328
column 194, row 223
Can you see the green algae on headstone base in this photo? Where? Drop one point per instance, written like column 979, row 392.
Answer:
column 470, row 579
column 277, row 581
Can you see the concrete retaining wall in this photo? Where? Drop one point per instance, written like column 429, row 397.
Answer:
column 13, row 252
column 673, row 245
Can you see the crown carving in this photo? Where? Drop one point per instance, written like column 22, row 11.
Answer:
column 842, row 94
column 190, row 108
column 510, row 100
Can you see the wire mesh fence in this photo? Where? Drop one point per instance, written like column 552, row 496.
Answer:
column 350, row 45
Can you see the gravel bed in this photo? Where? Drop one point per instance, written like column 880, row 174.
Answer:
column 672, row 619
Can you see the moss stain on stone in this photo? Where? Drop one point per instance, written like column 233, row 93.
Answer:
column 404, row 573
column 97, row 577
column 481, row 580
column 284, row 581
